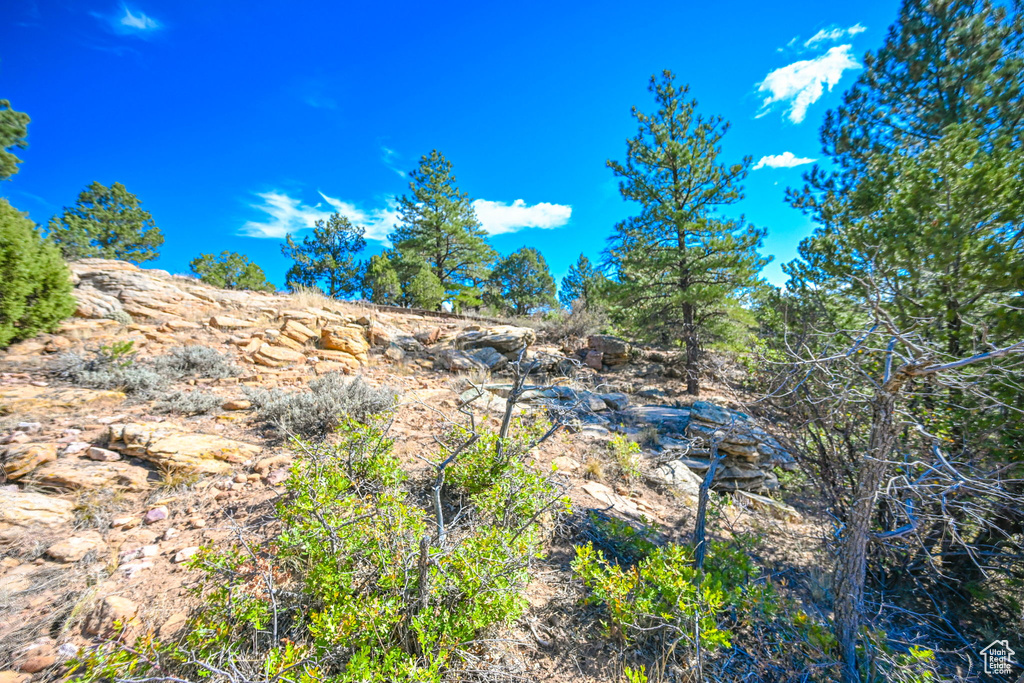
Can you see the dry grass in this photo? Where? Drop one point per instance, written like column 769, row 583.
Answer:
column 95, row 509
column 593, row 468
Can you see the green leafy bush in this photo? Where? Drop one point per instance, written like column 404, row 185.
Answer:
column 356, row 587
column 316, row 413
column 35, row 290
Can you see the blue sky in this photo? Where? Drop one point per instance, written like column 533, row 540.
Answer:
column 235, row 122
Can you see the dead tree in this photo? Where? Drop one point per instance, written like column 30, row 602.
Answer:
column 855, row 380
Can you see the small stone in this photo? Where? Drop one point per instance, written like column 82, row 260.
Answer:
column 170, row 533
column 133, row 569
column 237, row 404
column 157, row 514
column 198, row 523
column 14, row 677
column 253, row 478
column 17, row 437
column 278, row 476
column 39, row 383
column 185, row 554
column 29, row 427
column 126, row 522
column 238, row 487
column 34, row 665
column 76, row 447
column 149, row 551
column 240, row 478
column 102, row 454
column 222, row 495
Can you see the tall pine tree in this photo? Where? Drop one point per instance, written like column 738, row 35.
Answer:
column 326, row 259
column 521, row 283
column 580, row 285
column 678, row 266
column 438, row 225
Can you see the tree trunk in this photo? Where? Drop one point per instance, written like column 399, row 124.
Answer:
column 852, row 568
column 692, row 350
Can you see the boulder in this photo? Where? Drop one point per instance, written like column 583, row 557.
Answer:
column 505, row 339
column 491, row 359
column 459, row 361
column 294, row 329
column 114, row 614
column 76, row 547
column 102, row 454
column 168, row 446
column 277, row 356
column 594, row 359
column 24, row 509
column 608, row 497
column 77, row 475
column 18, row 460
column 614, row 351
column 615, row 400
column 348, row 338
column 678, row 476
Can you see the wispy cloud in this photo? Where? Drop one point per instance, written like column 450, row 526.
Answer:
column 784, row 160
column 499, row 218
column 138, row 22
column 802, row 83
column 125, row 21
column 320, row 101
column 390, row 158
column 378, row 223
column 832, row 34
column 284, row 215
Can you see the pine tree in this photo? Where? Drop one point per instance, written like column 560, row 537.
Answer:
column 580, row 285
column 380, row 281
column 521, row 283
column 230, row 270
column 35, row 290
column 106, row 222
column 424, row 290
column 678, row 266
column 13, row 131
column 326, row 259
column 439, row 226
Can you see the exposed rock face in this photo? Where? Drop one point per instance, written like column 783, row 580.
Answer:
column 76, row 475
column 75, row 548
column 166, row 445
column 111, row 611
column 277, row 356
column 18, row 460
column 613, row 351
column 350, row 339
column 28, row 398
column 678, row 476
column 750, row 452
column 505, row 339
column 459, row 361
column 24, row 509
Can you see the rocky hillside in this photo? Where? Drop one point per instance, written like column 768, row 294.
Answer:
column 124, row 449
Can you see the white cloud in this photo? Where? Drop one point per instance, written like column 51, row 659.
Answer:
column 498, row 218
column 390, row 158
column 378, row 223
column 784, row 160
column 285, row 215
column 802, row 83
column 832, row 34
column 139, row 22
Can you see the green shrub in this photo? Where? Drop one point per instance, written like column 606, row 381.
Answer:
column 35, row 290
column 356, row 587
column 316, row 413
column 626, row 454
column 121, row 316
